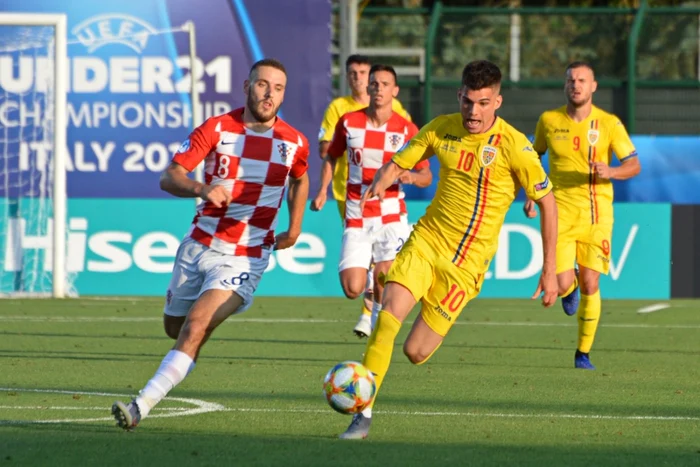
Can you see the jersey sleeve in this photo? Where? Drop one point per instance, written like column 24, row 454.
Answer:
column 540, row 143
column 621, row 143
column 418, row 148
column 301, row 158
column 330, row 120
column 412, row 130
column 198, row 145
column 528, row 170
column 339, row 141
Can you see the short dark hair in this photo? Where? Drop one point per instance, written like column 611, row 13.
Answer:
column 579, row 64
column 357, row 58
column 271, row 62
column 481, row 74
column 380, row 67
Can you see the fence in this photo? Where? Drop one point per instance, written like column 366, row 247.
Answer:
column 646, row 59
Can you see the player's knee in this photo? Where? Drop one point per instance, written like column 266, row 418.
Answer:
column 352, row 290
column 415, row 353
column 172, row 326
column 590, row 287
column 172, row 332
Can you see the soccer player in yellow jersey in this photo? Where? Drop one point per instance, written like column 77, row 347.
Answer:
column 581, row 139
column 357, row 68
column 483, row 163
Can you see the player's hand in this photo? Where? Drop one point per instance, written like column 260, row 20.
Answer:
column 407, row 178
column 529, row 209
column 547, row 288
column 373, row 190
column 286, row 239
column 319, row 201
column 218, row 195
column 602, row 170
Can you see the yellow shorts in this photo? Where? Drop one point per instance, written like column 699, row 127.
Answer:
column 585, row 244
column 442, row 288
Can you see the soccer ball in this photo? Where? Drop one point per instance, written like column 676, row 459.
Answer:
column 349, row 387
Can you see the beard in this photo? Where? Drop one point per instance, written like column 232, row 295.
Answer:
column 256, row 111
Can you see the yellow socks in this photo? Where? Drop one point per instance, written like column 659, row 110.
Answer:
column 574, row 284
column 588, row 317
column 381, row 345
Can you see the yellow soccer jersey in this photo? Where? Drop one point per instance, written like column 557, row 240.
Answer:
column 480, row 176
column 336, row 109
column 573, row 147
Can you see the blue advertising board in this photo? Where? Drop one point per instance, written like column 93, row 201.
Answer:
column 130, row 73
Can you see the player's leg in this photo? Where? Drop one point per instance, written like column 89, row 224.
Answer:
column 388, row 242
column 227, row 288
column 566, row 261
column 355, row 256
column 184, row 287
column 593, row 258
column 408, row 279
column 452, row 289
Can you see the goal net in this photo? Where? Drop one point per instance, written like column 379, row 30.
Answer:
column 33, row 73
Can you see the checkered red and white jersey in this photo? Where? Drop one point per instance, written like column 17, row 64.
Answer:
column 254, row 167
column 367, row 149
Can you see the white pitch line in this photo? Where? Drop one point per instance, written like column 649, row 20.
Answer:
column 139, row 319
column 200, row 407
column 205, row 407
column 653, row 308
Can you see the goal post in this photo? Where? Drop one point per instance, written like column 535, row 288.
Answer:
column 55, row 105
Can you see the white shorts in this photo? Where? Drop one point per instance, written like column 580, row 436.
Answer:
column 198, row 268
column 361, row 246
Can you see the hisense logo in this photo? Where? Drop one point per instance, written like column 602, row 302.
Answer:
column 114, row 28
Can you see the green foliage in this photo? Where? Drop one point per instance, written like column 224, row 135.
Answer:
column 667, row 49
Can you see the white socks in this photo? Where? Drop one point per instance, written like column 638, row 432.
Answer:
column 173, row 369
column 367, row 413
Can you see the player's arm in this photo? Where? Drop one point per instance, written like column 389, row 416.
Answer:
column 540, row 147
column 528, row 170
column 335, row 150
column 418, row 149
column 297, row 195
column 325, row 134
column 174, row 179
column 420, row 176
column 625, row 151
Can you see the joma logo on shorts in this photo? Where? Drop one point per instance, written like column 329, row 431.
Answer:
column 443, row 313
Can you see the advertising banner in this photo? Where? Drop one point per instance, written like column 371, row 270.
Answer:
column 129, row 81
column 127, row 247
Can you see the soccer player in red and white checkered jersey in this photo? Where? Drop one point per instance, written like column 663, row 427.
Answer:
column 369, row 138
column 250, row 155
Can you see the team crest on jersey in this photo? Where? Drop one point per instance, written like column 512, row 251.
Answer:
column 593, row 136
column 285, row 151
column 488, row 154
column 184, row 146
column 394, row 140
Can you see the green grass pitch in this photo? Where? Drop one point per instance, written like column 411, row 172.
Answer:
column 501, row 390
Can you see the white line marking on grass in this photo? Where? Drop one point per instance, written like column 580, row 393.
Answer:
column 487, row 414
column 653, row 308
column 140, row 319
column 200, row 407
